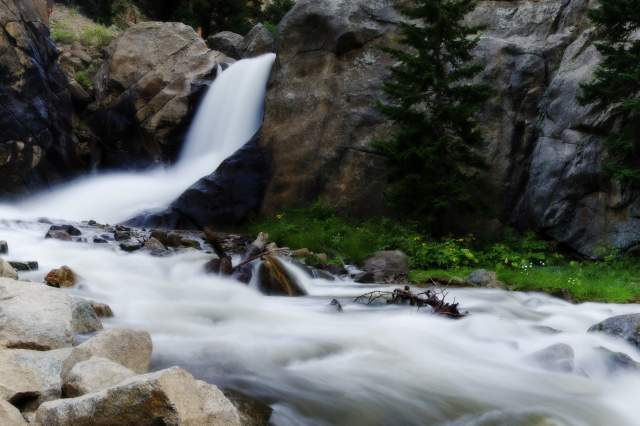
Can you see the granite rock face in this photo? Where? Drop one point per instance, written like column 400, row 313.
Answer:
column 544, row 148
column 36, row 145
column 147, row 90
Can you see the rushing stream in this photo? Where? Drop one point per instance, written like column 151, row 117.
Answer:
column 365, row 366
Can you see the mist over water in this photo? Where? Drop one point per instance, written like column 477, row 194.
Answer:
column 383, row 365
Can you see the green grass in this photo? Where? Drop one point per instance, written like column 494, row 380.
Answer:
column 97, row 36
column 611, row 282
column 522, row 262
column 61, row 34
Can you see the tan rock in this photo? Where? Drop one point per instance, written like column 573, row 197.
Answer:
column 129, row 348
column 7, row 271
column 35, row 316
column 10, row 415
column 61, row 278
column 170, row 397
column 93, row 375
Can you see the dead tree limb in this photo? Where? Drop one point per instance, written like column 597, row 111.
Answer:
column 436, row 299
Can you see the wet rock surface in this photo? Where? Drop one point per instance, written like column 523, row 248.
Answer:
column 626, row 327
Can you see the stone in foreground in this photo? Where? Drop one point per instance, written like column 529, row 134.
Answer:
column 167, row 397
column 626, row 327
column 10, row 416
column 38, row 317
column 129, row 348
column 61, row 278
column 93, row 375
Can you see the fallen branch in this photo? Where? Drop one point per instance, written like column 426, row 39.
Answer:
column 435, row 299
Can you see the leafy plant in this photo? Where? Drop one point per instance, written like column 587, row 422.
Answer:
column 97, row 36
column 84, row 79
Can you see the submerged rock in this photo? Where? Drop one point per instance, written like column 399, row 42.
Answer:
column 69, row 229
column 35, row 316
column 626, row 327
column 618, row 362
column 129, row 348
column 275, row 280
column 102, row 310
column 131, row 245
column 4, row 247
column 25, row 266
column 61, row 278
column 252, row 412
column 559, row 357
column 168, row 397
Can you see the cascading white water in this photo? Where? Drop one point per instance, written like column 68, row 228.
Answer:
column 230, row 114
column 364, row 366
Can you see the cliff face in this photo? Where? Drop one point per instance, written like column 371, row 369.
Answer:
column 544, row 153
column 36, row 146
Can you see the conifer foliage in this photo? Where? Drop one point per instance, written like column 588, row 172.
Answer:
column 433, row 156
column 616, row 85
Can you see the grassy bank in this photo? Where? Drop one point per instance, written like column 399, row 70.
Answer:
column 522, row 262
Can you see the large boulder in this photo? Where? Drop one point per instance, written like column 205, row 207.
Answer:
column 258, row 42
column 321, row 115
column 29, row 378
column 147, row 91
column 387, row 266
column 129, row 348
column 36, row 146
column 226, row 197
column 227, row 42
column 93, row 375
column 626, row 327
column 35, row 316
column 167, row 397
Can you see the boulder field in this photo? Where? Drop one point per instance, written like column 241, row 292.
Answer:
column 47, row 379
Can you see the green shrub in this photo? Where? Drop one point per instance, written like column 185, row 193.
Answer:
column 61, row 34
column 97, row 36
column 84, row 79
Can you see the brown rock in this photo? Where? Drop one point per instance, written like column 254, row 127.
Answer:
column 62, row 277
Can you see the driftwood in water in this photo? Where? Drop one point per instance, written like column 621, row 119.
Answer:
column 275, row 280
column 404, row 296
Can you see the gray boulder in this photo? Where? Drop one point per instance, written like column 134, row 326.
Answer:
column 484, row 278
column 4, row 247
column 29, row 378
column 387, row 266
column 168, row 397
column 35, row 316
column 626, row 327
column 258, row 42
column 227, row 42
column 93, row 375
column 559, row 357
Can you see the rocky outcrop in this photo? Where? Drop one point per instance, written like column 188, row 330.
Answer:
column 10, row 415
column 320, row 110
column 227, row 197
column 35, row 316
column 231, row 44
column 36, row 146
column 167, row 397
column 544, row 148
column 146, row 92
column 258, row 42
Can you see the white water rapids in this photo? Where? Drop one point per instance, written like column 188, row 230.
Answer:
column 364, row 366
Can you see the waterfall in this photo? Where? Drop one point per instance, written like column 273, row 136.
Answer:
column 230, row 114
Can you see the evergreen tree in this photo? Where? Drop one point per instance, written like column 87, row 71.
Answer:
column 616, row 85
column 433, row 157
